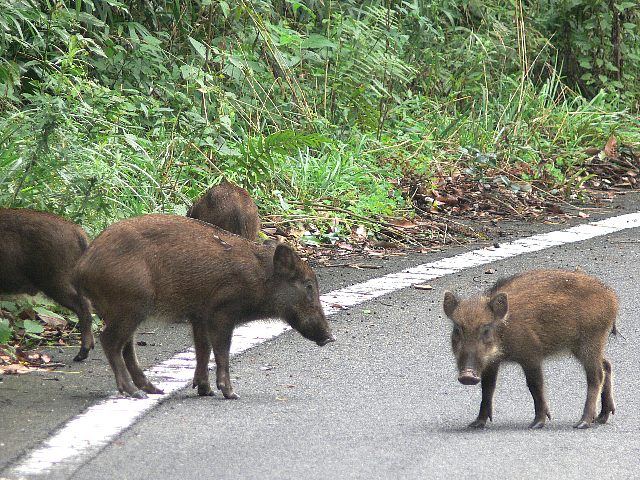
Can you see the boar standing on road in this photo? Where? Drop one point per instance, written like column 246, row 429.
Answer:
column 229, row 207
column 176, row 267
column 526, row 318
column 38, row 252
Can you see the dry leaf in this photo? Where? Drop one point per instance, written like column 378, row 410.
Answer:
column 423, row 286
column 401, row 223
column 611, row 148
column 55, row 322
column 15, row 369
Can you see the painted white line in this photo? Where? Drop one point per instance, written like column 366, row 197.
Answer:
column 85, row 435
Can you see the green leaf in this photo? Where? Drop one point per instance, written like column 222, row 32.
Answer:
column 45, row 311
column 317, row 41
column 585, row 63
column 31, row 327
column 199, row 47
column 5, row 331
column 224, row 6
column 622, row 6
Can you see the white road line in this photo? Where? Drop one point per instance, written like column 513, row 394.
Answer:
column 85, row 435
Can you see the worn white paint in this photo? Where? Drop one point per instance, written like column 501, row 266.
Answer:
column 85, row 435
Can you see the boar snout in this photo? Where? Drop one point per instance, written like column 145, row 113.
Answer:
column 316, row 329
column 468, row 377
column 329, row 339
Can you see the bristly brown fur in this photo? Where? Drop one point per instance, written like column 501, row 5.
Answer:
column 500, row 284
column 166, row 265
column 230, row 207
column 38, row 251
column 549, row 312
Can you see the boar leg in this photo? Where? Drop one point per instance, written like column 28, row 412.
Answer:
column 69, row 298
column 489, row 377
column 113, row 339
column 608, row 405
column 220, row 337
column 595, row 377
column 85, row 322
column 139, row 378
column 535, row 382
column 203, row 354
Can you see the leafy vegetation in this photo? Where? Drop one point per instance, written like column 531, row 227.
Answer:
column 333, row 114
column 111, row 109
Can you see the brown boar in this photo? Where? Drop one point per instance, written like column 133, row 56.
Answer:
column 180, row 268
column 229, row 207
column 38, row 252
column 526, row 318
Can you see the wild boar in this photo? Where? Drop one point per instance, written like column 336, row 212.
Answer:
column 229, row 207
column 526, row 318
column 180, row 268
column 38, row 252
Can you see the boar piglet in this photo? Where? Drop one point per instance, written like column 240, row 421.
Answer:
column 38, row 252
column 526, row 318
column 180, row 268
column 229, row 207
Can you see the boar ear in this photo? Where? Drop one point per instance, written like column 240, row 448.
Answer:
column 285, row 261
column 499, row 305
column 450, row 303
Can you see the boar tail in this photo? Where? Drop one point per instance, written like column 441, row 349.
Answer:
column 83, row 242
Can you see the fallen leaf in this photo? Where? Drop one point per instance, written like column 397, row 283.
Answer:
column 338, row 306
column 401, row 223
column 15, row 369
column 611, row 148
column 490, row 271
column 592, row 151
column 583, row 215
column 58, row 323
column 423, row 286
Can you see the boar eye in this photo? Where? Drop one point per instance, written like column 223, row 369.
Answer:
column 457, row 331
column 486, row 331
column 309, row 289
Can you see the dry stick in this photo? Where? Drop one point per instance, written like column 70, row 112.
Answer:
column 369, row 220
column 505, row 204
column 446, row 221
column 555, row 197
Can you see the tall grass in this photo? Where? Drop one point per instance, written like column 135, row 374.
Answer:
column 109, row 110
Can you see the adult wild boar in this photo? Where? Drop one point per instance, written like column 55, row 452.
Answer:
column 526, row 318
column 180, row 268
column 38, row 252
column 229, row 207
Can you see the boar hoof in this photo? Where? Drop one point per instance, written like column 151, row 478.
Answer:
column 205, row 391
column 153, row 389
column 231, row 395
column 478, row 423
column 537, row 424
column 602, row 418
column 82, row 354
column 582, row 424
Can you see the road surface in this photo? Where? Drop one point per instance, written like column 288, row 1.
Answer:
column 381, row 402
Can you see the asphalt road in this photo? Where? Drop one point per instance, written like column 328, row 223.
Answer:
column 381, row 402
